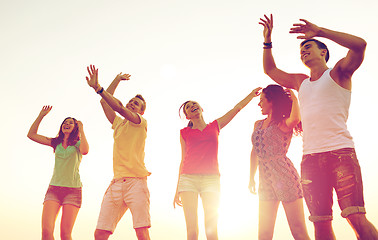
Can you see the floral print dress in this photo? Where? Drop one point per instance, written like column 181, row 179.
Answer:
column 278, row 178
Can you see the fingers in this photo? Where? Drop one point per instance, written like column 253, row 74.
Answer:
column 46, row 108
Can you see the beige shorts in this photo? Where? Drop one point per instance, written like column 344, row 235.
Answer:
column 123, row 194
column 199, row 183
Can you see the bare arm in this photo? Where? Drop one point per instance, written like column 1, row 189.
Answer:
column 177, row 199
column 113, row 102
column 84, row 146
column 285, row 79
column 253, row 169
column 33, row 131
column 109, row 112
column 345, row 67
column 225, row 119
column 295, row 116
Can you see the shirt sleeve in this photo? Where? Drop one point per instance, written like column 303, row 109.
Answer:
column 117, row 121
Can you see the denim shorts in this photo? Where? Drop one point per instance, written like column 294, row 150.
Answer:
column 323, row 172
column 199, row 183
column 64, row 195
column 123, row 194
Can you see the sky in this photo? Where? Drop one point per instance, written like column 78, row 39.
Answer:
column 209, row 51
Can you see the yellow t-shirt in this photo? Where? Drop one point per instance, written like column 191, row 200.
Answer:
column 128, row 148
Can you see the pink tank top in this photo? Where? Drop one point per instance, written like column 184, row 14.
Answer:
column 201, row 155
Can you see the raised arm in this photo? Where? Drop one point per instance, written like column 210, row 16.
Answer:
column 345, row 67
column 295, row 116
column 283, row 78
column 33, row 131
column 113, row 102
column 109, row 112
column 225, row 119
column 84, row 146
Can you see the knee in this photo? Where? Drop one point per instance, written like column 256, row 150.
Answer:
column 299, row 231
column 265, row 235
column 47, row 233
column 357, row 220
column 211, row 232
column 65, row 235
column 101, row 234
column 192, row 233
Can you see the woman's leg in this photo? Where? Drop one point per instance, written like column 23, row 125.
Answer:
column 210, row 202
column 190, row 206
column 49, row 214
column 69, row 214
column 295, row 217
column 267, row 218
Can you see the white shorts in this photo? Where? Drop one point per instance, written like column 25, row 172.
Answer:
column 199, row 183
column 123, row 194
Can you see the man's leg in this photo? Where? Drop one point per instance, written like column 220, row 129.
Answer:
column 362, row 227
column 111, row 212
column 324, row 231
column 142, row 233
column 318, row 193
column 349, row 189
column 102, row 234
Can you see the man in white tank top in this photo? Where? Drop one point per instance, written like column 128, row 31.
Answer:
column 329, row 160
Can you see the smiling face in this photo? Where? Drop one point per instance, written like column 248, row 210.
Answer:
column 135, row 105
column 192, row 110
column 310, row 51
column 266, row 106
column 68, row 126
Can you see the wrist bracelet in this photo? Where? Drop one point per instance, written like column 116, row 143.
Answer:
column 267, row 45
column 100, row 91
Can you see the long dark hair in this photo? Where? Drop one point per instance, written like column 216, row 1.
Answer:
column 281, row 105
column 190, row 123
column 72, row 139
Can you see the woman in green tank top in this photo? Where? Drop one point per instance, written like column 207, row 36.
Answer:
column 65, row 186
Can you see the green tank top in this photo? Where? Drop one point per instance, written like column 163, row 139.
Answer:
column 66, row 169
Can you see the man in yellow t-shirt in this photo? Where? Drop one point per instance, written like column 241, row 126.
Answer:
column 128, row 189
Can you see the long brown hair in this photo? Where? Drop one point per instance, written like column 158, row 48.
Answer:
column 72, row 139
column 281, row 105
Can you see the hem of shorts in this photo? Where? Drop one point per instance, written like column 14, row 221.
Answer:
column 106, row 230
column 71, row 204
column 353, row 210
column 143, row 226
column 320, row 218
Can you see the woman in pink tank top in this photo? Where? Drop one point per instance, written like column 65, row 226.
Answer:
column 199, row 173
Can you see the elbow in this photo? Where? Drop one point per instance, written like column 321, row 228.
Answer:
column 30, row 136
column 84, row 151
column 361, row 45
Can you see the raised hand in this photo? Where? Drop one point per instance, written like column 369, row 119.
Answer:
column 79, row 125
column 268, row 27
column 123, row 77
column 256, row 92
column 92, row 80
column 309, row 30
column 45, row 110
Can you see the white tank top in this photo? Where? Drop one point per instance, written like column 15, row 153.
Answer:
column 324, row 107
